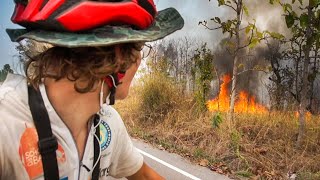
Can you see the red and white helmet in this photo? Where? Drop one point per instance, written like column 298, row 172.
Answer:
column 79, row 15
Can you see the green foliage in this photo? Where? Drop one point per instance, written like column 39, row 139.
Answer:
column 287, row 7
column 160, row 66
column 216, row 120
column 235, row 140
column 273, row 1
column 254, row 43
column 295, row 21
column 199, row 153
column 203, row 71
column 3, row 73
column 289, row 20
column 235, row 145
column 158, row 96
column 314, row 3
column 221, row 2
column 245, row 10
column 246, row 174
column 304, row 20
column 275, row 35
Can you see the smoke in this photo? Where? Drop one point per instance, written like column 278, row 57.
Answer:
column 249, row 80
column 266, row 17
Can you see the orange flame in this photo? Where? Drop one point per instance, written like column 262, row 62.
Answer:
column 244, row 104
column 308, row 115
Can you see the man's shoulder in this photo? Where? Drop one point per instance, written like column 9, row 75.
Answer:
column 112, row 117
column 13, row 91
column 13, row 82
column 13, row 77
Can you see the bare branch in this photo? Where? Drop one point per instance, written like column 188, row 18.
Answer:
column 207, row 27
column 230, row 7
column 236, row 2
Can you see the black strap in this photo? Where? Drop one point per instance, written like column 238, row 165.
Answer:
column 112, row 89
column 47, row 141
column 96, row 146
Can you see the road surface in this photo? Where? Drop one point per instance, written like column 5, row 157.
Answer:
column 172, row 166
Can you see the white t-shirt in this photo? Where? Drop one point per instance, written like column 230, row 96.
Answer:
column 19, row 156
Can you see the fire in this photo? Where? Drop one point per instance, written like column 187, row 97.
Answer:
column 308, row 115
column 222, row 101
column 244, row 103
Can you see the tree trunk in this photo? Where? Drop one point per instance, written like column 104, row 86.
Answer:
column 233, row 88
column 305, row 82
column 235, row 63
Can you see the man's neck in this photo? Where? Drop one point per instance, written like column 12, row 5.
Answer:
column 74, row 108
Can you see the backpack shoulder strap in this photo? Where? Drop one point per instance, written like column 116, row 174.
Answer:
column 48, row 143
column 96, row 148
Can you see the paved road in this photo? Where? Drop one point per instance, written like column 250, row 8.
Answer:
column 174, row 167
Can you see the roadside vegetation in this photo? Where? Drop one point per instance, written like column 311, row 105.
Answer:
column 255, row 146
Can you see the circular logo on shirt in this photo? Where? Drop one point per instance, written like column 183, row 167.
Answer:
column 105, row 135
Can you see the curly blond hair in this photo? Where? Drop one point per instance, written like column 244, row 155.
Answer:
column 86, row 66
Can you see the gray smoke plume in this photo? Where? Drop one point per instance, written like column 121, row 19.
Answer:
column 266, row 17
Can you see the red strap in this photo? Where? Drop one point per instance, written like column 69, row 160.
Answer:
column 109, row 81
column 121, row 75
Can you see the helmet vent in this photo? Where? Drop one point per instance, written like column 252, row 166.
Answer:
column 145, row 4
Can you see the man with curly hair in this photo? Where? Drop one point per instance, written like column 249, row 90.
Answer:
column 56, row 121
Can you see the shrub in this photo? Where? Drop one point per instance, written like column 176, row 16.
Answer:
column 158, row 96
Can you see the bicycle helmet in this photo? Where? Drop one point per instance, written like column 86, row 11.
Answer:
column 76, row 15
column 78, row 23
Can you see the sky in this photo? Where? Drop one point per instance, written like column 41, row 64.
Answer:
column 192, row 13
column 7, row 48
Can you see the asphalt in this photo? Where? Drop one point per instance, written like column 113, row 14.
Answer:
column 172, row 166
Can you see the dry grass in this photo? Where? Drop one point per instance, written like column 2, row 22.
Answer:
column 254, row 146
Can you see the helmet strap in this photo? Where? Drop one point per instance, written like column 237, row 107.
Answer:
column 112, row 82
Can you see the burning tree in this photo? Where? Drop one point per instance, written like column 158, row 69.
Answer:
column 240, row 37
